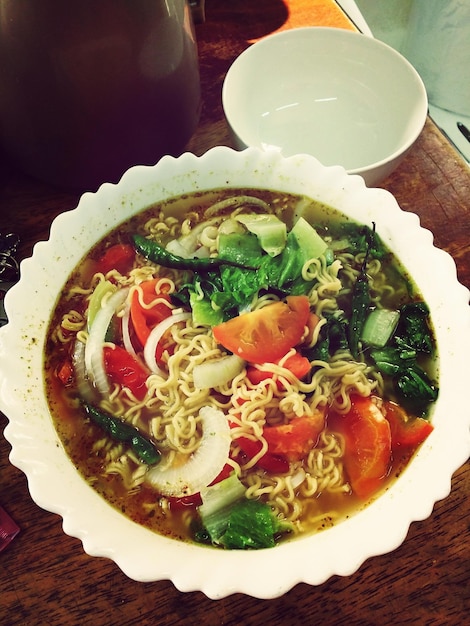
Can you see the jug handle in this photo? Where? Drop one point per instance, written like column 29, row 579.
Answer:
column 198, row 10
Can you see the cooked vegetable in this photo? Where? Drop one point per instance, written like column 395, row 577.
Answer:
column 368, row 452
column 251, row 524
column 269, row 229
column 218, row 372
column 125, row 370
column 407, row 431
column 359, row 305
column 152, row 251
column 102, row 289
column 217, row 501
column 266, row 334
column 148, row 308
column 153, row 350
column 121, row 431
column 413, row 329
column 203, row 466
column 235, row 522
column 204, row 313
column 119, row 257
column 331, row 339
column 358, row 237
column 379, row 327
column 272, row 463
column 295, row 439
column 94, row 360
column 413, row 386
column 310, row 243
column 296, row 364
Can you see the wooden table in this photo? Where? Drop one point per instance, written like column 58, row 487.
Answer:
column 46, row 578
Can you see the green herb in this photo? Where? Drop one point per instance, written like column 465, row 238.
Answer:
column 360, row 237
column 400, row 358
column 360, row 302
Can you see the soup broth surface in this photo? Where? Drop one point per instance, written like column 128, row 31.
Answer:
column 292, row 445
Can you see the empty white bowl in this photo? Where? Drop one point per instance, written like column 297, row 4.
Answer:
column 341, row 96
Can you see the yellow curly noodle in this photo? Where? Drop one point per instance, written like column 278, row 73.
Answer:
column 169, row 412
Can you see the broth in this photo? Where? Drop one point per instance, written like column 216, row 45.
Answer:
column 318, row 500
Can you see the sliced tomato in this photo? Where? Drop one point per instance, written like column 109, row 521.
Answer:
column 144, row 319
column 297, row 364
column 125, row 370
column 407, row 431
column 119, row 257
column 295, row 439
column 368, row 453
column 65, row 372
column 272, row 463
column 267, row 334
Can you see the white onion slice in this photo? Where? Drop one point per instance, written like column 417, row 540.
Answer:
column 156, row 334
column 94, row 360
column 216, row 373
column 85, row 390
column 126, row 336
column 203, row 466
column 298, row 478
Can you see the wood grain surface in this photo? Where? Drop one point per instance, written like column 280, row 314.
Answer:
column 45, row 576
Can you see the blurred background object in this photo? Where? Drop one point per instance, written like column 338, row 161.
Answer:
column 435, row 37
column 88, row 89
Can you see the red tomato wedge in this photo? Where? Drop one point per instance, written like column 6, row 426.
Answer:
column 65, row 372
column 407, row 432
column 368, row 451
column 125, row 370
column 296, row 364
column 144, row 319
column 295, row 440
column 274, row 464
column 119, row 257
column 267, row 334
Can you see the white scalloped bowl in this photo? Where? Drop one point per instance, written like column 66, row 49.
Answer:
column 56, row 485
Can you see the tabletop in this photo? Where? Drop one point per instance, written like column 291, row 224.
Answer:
column 45, row 576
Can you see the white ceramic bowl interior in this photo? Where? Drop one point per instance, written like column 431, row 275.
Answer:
column 54, row 482
column 341, row 96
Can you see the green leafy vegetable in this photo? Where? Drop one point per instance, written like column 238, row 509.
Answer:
column 413, row 329
column 359, row 237
column 252, row 525
column 229, row 519
column 360, row 301
column 400, row 357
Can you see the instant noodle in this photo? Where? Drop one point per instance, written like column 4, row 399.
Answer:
column 260, row 369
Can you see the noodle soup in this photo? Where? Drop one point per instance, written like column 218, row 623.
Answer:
column 238, row 367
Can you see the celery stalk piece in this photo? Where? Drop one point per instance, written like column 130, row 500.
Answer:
column 270, row 230
column 310, row 242
column 217, row 501
column 379, row 327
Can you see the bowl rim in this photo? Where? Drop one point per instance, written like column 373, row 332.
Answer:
column 340, row 33
column 55, row 484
